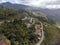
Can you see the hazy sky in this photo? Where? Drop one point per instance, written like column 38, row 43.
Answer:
column 37, row 3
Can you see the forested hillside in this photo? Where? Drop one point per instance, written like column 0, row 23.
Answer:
column 14, row 31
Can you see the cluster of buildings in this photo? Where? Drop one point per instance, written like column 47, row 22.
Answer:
column 37, row 26
column 38, row 31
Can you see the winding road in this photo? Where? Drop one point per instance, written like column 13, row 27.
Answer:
column 42, row 38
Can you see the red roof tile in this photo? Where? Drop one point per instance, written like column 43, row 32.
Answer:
column 3, row 43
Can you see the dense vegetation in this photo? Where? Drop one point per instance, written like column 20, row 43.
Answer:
column 17, row 31
column 52, row 35
column 6, row 13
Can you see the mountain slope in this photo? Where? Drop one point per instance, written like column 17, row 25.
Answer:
column 51, row 13
column 13, row 6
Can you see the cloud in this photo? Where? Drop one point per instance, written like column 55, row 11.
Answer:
column 53, row 4
column 57, row 2
column 2, row 1
column 37, row 3
column 33, row 2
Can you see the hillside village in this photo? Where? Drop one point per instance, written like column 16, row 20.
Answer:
column 37, row 26
column 27, row 28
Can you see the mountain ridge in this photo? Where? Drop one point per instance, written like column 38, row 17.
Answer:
column 51, row 13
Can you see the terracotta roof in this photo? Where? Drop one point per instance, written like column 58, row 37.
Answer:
column 3, row 43
column 38, row 31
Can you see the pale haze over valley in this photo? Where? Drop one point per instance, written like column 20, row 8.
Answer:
column 37, row 3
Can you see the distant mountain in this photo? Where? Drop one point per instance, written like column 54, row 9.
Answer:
column 18, row 6
column 51, row 13
column 13, row 6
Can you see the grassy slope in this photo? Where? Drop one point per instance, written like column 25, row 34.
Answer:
column 58, row 25
column 52, row 35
